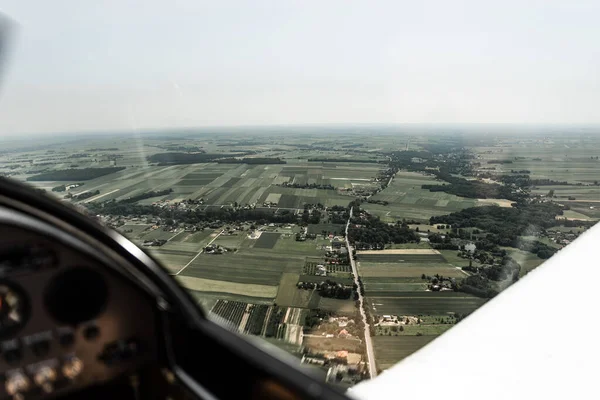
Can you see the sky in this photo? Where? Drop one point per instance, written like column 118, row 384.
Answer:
column 122, row 65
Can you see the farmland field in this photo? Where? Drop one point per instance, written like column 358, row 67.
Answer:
column 434, row 303
column 208, row 285
column 391, row 349
column 252, row 285
column 243, row 268
column 398, row 270
column 407, row 199
column 401, row 258
column 266, row 240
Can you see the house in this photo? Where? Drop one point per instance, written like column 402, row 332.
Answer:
column 336, row 244
column 343, row 334
column 342, row 354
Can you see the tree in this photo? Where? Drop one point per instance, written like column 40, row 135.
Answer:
column 401, row 328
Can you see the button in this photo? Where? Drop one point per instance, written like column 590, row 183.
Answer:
column 39, row 343
column 91, row 332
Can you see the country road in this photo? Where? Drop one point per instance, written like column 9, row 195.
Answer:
column 368, row 341
column 200, row 252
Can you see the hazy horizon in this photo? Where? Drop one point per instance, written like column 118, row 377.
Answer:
column 139, row 66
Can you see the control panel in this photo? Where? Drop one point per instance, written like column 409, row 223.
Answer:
column 66, row 320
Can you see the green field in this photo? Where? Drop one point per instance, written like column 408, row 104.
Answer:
column 398, row 270
column 565, row 158
column 407, row 199
column 527, row 260
column 401, row 258
column 266, row 240
column 391, row 349
column 264, row 272
column 434, row 303
column 243, row 268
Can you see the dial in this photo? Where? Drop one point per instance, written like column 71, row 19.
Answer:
column 14, row 308
column 76, row 295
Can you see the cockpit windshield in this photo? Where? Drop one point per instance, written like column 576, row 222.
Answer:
column 345, row 180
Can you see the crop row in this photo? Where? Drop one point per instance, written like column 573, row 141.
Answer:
column 232, row 311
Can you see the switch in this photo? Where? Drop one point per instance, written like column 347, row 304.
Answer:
column 45, row 377
column 119, row 351
column 16, row 382
column 72, row 367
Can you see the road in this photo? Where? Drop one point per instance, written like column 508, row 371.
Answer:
column 99, row 196
column 200, row 252
column 368, row 341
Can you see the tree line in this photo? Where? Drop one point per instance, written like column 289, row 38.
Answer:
column 82, row 174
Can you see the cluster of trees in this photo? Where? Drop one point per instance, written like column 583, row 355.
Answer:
column 307, row 186
column 373, row 233
column 85, row 195
column 474, row 189
column 315, row 316
column 334, row 290
column 504, row 225
column 328, row 289
column 482, row 283
column 499, row 162
column 189, row 149
column 104, row 149
column 83, row 174
column 147, row 195
column 78, row 155
column 542, row 250
column 257, row 160
column 185, row 158
column 338, row 214
column 194, row 216
column 336, row 160
column 310, row 218
column 478, row 285
column 382, row 202
column 63, row 188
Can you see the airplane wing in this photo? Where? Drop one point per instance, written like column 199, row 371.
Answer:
column 537, row 338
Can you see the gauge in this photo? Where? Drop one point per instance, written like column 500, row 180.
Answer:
column 14, row 308
column 76, row 295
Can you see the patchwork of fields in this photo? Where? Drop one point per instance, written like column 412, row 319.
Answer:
column 252, row 286
column 407, row 199
column 394, row 286
column 260, row 320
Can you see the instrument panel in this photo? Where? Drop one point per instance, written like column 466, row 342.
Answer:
column 66, row 320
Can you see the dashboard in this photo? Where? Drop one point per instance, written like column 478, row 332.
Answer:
column 84, row 313
column 66, row 320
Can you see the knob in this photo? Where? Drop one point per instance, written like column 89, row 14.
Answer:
column 72, row 367
column 44, row 378
column 16, row 383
